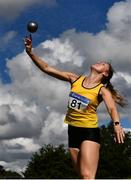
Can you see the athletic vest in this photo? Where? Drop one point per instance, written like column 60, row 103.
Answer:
column 82, row 105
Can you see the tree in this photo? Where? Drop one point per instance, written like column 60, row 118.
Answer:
column 4, row 174
column 55, row 163
column 50, row 163
column 115, row 159
column 2, row 170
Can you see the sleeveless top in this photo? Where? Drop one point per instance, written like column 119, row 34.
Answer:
column 82, row 105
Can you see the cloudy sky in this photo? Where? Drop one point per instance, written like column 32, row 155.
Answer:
column 72, row 35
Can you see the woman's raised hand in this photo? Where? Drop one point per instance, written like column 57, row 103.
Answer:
column 28, row 44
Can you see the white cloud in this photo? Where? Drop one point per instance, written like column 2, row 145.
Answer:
column 127, row 130
column 8, row 36
column 60, row 51
column 55, row 128
column 16, row 7
column 32, row 107
column 119, row 16
column 17, row 166
column 21, row 145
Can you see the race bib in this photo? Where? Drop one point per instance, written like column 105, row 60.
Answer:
column 78, row 102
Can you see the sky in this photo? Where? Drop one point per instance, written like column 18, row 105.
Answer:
column 72, row 35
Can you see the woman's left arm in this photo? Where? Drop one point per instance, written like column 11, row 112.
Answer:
column 112, row 109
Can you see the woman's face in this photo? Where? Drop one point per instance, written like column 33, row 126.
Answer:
column 101, row 67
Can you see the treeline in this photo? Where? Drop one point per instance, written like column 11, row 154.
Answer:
column 4, row 174
column 52, row 162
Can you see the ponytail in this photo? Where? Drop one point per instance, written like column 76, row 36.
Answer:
column 119, row 99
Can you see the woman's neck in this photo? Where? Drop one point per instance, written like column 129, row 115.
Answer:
column 92, row 80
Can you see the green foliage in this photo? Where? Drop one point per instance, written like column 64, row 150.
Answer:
column 4, row 174
column 55, row 163
column 50, row 163
column 115, row 159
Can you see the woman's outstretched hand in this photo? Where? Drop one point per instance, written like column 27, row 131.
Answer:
column 119, row 134
column 28, row 44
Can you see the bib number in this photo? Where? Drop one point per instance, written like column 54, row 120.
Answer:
column 78, row 102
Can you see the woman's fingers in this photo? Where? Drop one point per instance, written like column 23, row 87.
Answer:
column 120, row 136
column 27, row 41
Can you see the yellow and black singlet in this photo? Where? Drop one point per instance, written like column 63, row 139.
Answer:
column 82, row 105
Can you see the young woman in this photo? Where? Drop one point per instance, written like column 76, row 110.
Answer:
column 86, row 94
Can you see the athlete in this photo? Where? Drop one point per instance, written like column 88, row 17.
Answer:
column 87, row 92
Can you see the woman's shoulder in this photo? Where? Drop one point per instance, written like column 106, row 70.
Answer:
column 78, row 77
column 103, row 90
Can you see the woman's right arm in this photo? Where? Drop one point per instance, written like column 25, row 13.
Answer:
column 42, row 65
